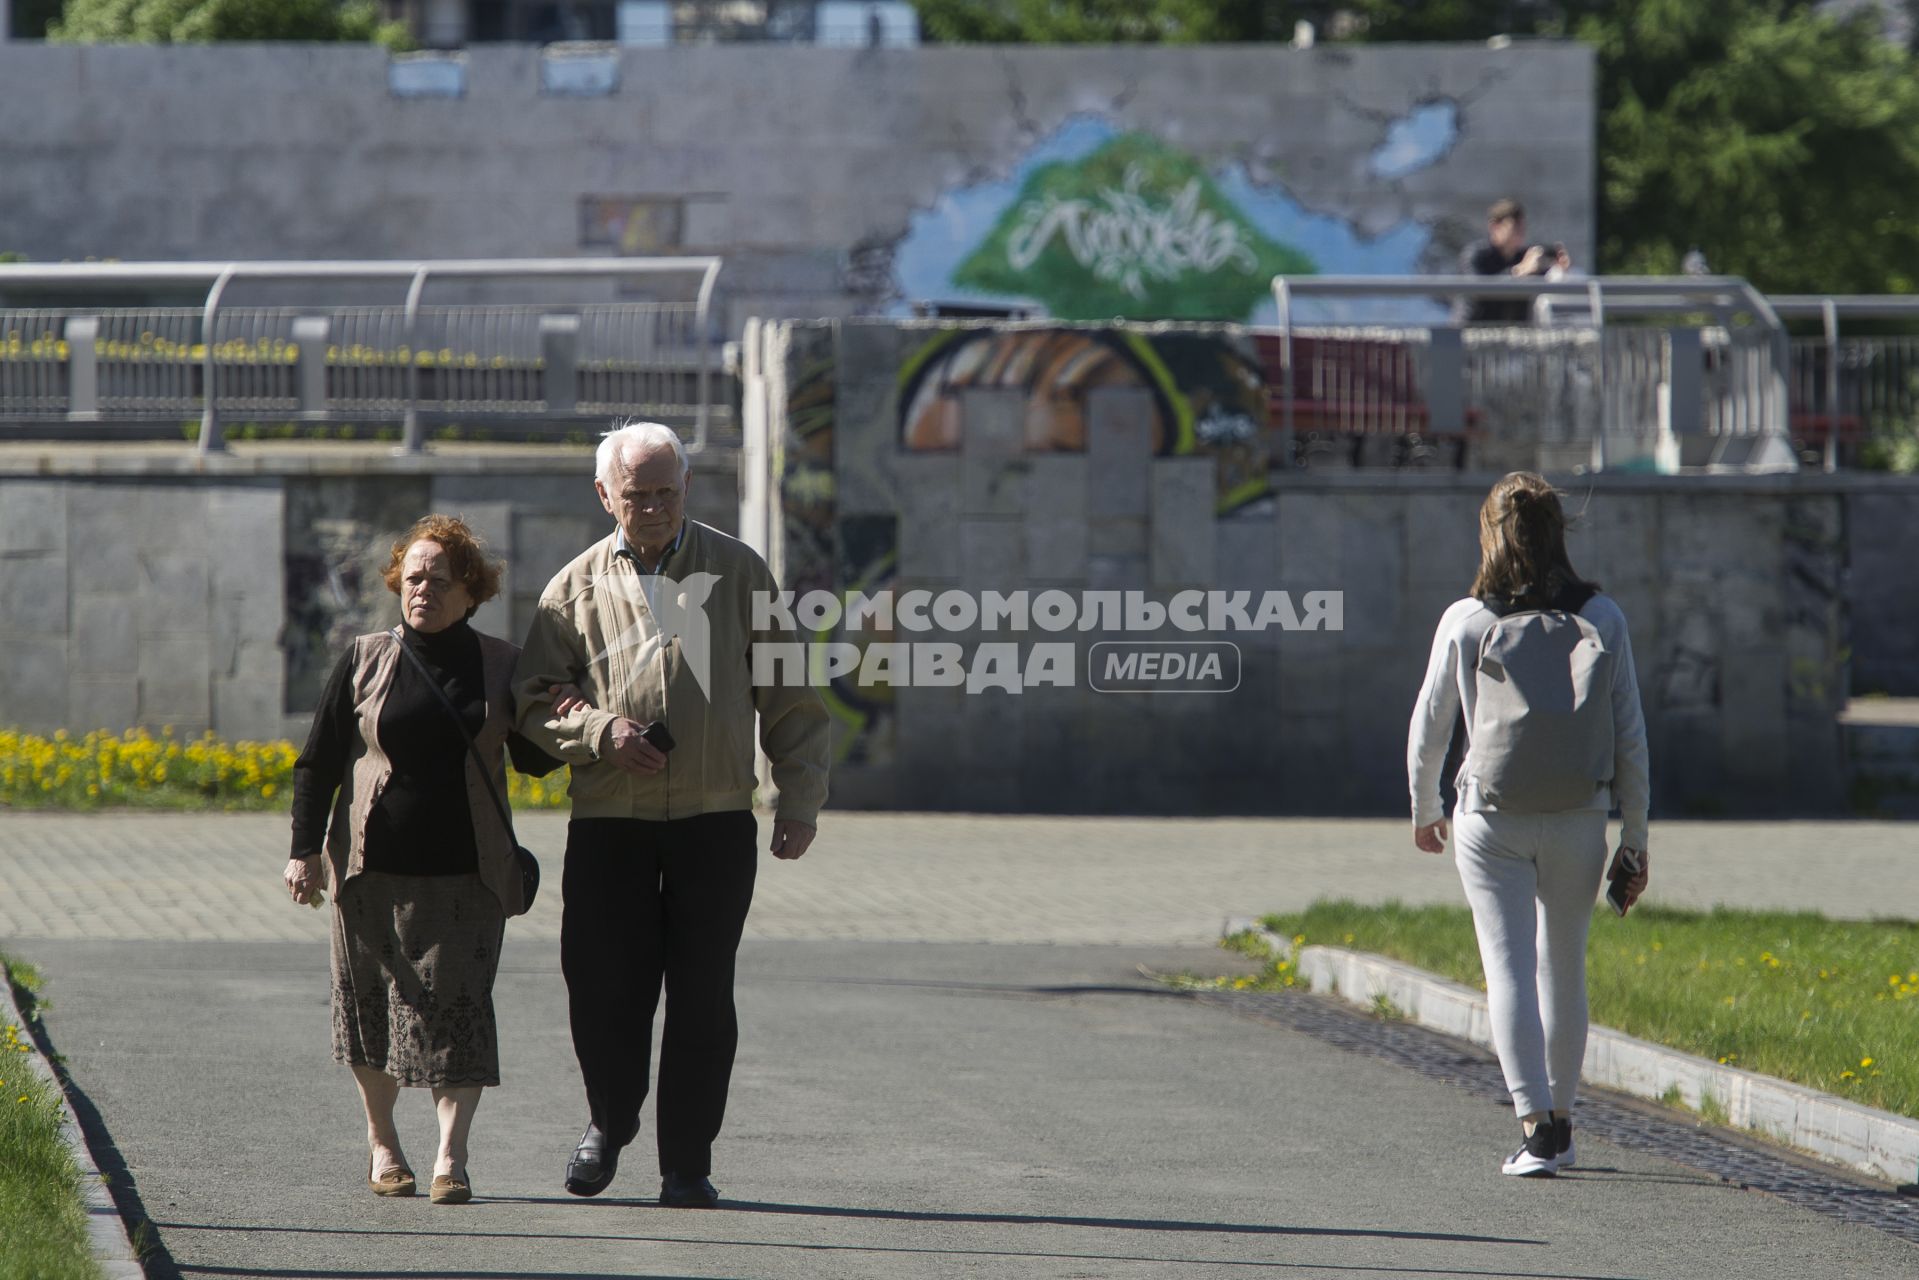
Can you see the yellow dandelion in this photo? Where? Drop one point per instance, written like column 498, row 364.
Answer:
column 1865, row 1062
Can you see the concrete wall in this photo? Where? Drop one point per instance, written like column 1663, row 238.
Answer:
column 141, row 589
column 902, row 466
column 834, row 181
column 1882, row 589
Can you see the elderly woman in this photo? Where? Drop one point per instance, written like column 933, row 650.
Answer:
column 419, row 860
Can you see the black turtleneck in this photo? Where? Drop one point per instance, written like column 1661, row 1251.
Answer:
column 422, row 824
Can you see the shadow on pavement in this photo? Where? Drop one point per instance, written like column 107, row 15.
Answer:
column 153, row 1255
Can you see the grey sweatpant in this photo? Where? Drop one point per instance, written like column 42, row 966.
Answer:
column 1531, row 880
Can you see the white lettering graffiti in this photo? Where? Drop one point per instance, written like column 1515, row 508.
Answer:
column 1126, row 236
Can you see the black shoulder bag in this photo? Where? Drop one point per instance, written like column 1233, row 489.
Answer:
column 528, row 864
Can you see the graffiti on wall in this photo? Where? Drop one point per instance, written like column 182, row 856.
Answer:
column 1206, row 391
column 1096, row 222
column 821, row 551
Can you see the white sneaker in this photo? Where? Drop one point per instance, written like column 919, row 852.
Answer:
column 1535, row 1157
column 1563, row 1142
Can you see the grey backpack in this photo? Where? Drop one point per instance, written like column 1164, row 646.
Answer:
column 1541, row 740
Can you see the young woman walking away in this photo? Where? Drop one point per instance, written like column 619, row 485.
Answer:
column 1540, row 665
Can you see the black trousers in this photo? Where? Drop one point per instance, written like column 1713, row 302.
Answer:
column 648, row 904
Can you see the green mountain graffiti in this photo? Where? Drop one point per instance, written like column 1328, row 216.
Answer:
column 1136, row 229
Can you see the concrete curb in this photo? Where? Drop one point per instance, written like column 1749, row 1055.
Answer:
column 112, row 1245
column 1873, row 1142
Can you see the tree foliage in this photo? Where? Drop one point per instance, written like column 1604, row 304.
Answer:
column 1781, row 141
column 202, row 21
column 1779, row 138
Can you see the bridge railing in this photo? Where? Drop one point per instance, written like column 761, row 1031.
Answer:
column 1604, row 393
column 549, row 364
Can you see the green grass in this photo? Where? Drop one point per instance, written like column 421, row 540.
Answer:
column 1830, row 1004
column 43, row 1227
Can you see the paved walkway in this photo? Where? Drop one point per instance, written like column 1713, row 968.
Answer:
column 938, row 877
column 908, row 1102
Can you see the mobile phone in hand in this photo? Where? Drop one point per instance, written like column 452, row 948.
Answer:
column 655, row 733
column 1625, row 867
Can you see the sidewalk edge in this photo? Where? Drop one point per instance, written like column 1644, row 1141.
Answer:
column 110, row 1234
column 1877, row 1143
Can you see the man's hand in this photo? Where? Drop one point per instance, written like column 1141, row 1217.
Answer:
column 568, row 698
column 1431, row 838
column 302, row 876
column 1532, row 264
column 632, row 752
column 790, row 838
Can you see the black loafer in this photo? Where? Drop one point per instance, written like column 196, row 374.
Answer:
column 594, row 1162
column 680, row 1191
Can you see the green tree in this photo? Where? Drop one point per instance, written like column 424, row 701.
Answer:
column 202, row 21
column 1782, row 141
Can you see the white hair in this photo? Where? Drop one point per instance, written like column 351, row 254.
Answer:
column 638, row 435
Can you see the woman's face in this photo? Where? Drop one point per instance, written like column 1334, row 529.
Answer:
column 430, row 599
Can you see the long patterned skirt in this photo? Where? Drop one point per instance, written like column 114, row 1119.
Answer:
column 414, row 959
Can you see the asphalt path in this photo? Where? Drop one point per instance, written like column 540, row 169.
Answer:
column 899, row 1110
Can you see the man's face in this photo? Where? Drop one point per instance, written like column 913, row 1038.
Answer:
column 1507, row 234
column 647, row 497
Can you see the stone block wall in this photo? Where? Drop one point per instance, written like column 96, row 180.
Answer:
column 833, row 181
column 137, row 590
column 998, row 479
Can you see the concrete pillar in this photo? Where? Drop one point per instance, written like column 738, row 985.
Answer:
column 83, row 368
column 310, row 338
column 560, row 348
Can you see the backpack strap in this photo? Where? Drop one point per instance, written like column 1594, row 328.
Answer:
column 486, row 776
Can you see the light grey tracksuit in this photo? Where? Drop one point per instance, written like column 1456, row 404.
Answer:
column 1531, row 879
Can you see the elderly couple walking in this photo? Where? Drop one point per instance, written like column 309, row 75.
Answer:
column 398, row 812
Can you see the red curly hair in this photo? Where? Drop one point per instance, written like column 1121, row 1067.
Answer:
column 465, row 553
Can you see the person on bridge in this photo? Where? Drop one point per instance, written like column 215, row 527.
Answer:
column 656, row 625
column 421, row 864
column 1504, row 252
column 1540, row 663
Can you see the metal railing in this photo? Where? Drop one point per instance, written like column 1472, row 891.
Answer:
column 1599, row 386
column 1847, row 390
column 407, row 361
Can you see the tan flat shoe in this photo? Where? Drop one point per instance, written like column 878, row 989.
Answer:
column 397, row 1181
column 448, row 1189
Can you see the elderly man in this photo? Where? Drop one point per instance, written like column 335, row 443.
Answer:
column 654, row 624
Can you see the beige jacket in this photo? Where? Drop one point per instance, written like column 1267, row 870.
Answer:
column 375, row 658
column 638, row 658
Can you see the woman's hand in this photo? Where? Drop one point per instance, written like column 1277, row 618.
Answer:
column 1636, row 885
column 1431, row 838
column 303, row 879
column 567, row 698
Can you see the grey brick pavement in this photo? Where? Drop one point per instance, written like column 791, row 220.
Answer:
column 935, row 877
